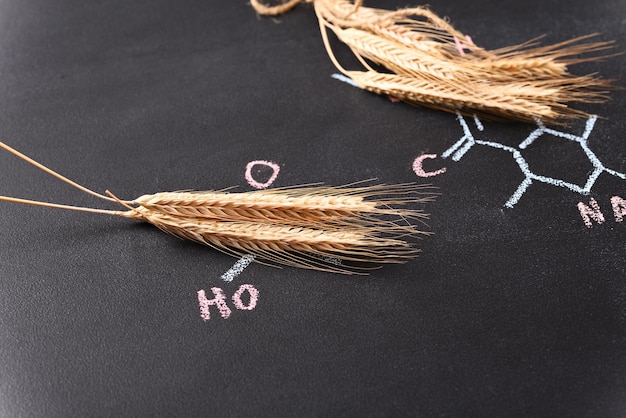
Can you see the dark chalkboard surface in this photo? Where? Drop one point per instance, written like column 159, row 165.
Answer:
column 515, row 307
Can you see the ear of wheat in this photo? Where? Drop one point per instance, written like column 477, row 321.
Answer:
column 415, row 56
column 347, row 229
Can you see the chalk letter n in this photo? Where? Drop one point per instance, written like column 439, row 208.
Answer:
column 219, row 301
column 589, row 213
column 619, row 208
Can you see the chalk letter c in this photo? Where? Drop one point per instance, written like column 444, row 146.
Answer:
column 419, row 170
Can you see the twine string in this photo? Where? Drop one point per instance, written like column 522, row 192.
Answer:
column 279, row 9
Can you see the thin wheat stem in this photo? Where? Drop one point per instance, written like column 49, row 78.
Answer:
column 53, row 173
column 60, row 206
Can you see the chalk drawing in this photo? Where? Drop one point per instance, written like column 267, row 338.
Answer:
column 345, row 79
column 257, row 185
column 619, row 208
column 219, row 301
column 462, row 47
column 419, row 170
column 468, row 141
column 238, row 268
column 253, row 294
column 591, row 211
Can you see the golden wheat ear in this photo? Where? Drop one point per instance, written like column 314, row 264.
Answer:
column 347, row 229
column 415, row 56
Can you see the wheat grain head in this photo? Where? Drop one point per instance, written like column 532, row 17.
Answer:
column 297, row 226
column 522, row 82
column 348, row 229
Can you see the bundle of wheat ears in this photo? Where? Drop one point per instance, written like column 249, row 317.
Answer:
column 415, row 56
column 348, row 229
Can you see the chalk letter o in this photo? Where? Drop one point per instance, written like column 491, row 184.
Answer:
column 419, row 170
column 254, row 297
column 275, row 168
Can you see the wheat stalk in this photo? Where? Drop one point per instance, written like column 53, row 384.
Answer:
column 416, row 56
column 362, row 226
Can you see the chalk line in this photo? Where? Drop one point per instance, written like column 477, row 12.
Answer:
column 238, row 268
column 467, row 141
column 345, row 79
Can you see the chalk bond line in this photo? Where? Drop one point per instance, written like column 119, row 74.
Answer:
column 467, row 141
column 238, row 268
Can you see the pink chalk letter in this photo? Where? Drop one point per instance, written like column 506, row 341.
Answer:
column 419, row 169
column 219, row 301
column 589, row 213
column 257, row 185
column 619, row 208
column 252, row 292
column 459, row 46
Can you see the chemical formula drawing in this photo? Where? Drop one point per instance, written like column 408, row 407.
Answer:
column 261, row 174
column 219, row 301
column 589, row 212
column 470, row 140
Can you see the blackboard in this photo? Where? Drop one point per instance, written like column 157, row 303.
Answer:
column 516, row 305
